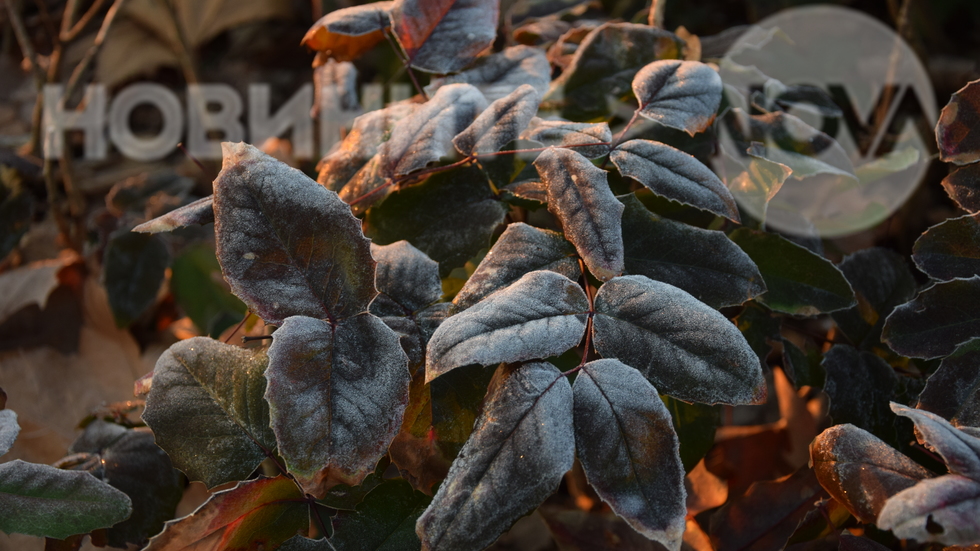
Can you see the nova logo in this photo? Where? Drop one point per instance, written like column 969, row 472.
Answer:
column 829, row 122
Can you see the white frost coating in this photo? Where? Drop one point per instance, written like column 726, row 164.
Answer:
column 497, row 75
column 673, row 174
column 680, row 94
column 542, row 314
column 942, row 509
column 592, row 139
column 407, row 275
column 499, row 124
column 626, row 442
column 960, row 451
column 685, row 348
column 9, row 429
column 448, row 43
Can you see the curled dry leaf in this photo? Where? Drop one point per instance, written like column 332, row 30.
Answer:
column 498, row 75
column 443, row 36
column 347, row 33
column 680, row 94
column 199, row 213
column 958, row 130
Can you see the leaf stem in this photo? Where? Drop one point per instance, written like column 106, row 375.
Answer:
column 588, row 320
column 621, row 135
column 406, row 62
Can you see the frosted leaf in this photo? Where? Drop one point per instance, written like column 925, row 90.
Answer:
column 956, row 131
column 626, row 442
column 499, row 74
column 540, row 315
column 198, row 213
column 860, row 385
column 499, row 124
column 861, row 471
column 959, row 450
column 346, row 33
column 963, row 186
column 336, row 396
column 519, row 250
column 953, row 390
column 680, row 94
column 521, row 446
column 9, row 429
column 592, row 139
column 320, row 268
column 214, row 391
column 709, row 266
column 671, row 173
column 949, row 250
column 348, row 157
column 942, row 509
column 591, row 216
column 881, row 280
column 936, row 321
column 335, row 88
column 684, row 347
column 407, row 275
column 443, row 36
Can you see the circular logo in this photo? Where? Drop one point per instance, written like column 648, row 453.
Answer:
column 829, row 122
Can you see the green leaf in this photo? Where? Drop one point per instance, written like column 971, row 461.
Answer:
column 449, row 217
column 9, row 429
column 385, row 520
column 201, row 293
column 519, row 250
column 951, row 249
column 255, row 514
column 540, row 315
column 708, row 265
column 207, row 411
column 684, row 347
column 860, row 386
column 522, row 445
column 16, row 210
column 444, row 36
column 800, row 282
column 881, row 280
column 957, row 131
column 499, row 74
column 129, row 460
column 279, row 267
column 695, row 426
column 40, row 500
column 134, row 266
column 501, row 123
column 802, row 367
column 198, row 213
column 936, row 321
column 678, row 94
column 963, row 186
column 587, row 139
column 457, row 399
column 336, row 396
column 671, row 173
column 628, row 449
column 860, row 470
column 953, row 390
column 604, row 65
column 579, row 196
column 760, row 329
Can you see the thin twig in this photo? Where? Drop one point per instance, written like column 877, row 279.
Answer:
column 406, row 62
column 76, row 76
column 656, row 16
column 72, row 32
column 26, row 47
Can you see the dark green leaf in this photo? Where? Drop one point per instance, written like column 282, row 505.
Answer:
column 578, row 530
column 16, row 211
column 255, row 514
column 129, row 460
column 206, row 409
column 320, row 268
column 951, row 249
column 803, row 367
column 347, row 33
column 937, row 509
column 457, row 399
column 953, row 390
column 881, row 280
column 958, row 131
column 860, row 386
column 861, row 471
column 407, row 275
column 604, row 65
column 695, row 426
column 959, row 450
column 708, row 265
column 499, row 74
column 684, row 347
column 198, row 213
column 9, row 429
column 134, row 266
column 303, row 543
column 444, row 36
column 449, row 217
column 384, row 521
column 346, row 498
column 799, row 281
column 519, row 250
column 540, row 315
column 522, row 445
column 336, row 396
column 671, row 173
column 40, row 500
column 201, row 293
column 501, row 123
column 935, row 322
column 679, row 94
column 628, row 449
column 587, row 139
column 579, row 196
column 963, row 186
column 760, row 329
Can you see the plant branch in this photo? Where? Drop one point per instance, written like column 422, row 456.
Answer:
column 26, row 47
column 655, row 18
column 69, row 31
column 74, row 82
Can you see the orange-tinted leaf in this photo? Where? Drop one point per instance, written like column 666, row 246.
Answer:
column 443, row 36
column 963, row 186
column 958, row 131
column 347, row 33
